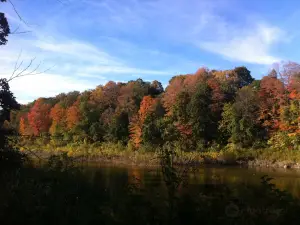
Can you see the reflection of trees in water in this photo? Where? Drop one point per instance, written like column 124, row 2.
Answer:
column 135, row 177
column 290, row 185
column 151, row 179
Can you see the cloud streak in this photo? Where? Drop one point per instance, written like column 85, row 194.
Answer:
column 47, row 85
column 253, row 46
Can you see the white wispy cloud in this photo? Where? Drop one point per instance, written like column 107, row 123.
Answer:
column 251, row 46
column 46, row 85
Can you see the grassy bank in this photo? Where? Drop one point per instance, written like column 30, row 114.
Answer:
column 149, row 156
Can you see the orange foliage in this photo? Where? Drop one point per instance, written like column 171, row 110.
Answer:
column 39, row 118
column 96, row 96
column 22, row 128
column 58, row 116
column 174, row 88
column 135, row 127
column 57, row 113
column 73, row 115
column 146, row 107
column 294, row 95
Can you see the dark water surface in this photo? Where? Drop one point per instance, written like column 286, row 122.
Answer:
column 116, row 176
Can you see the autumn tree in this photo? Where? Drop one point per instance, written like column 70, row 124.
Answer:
column 73, row 116
column 272, row 98
column 131, row 96
column 136, row 124
column 58, row 116
column 39, row 117
column 174, row 88
column 24, row 127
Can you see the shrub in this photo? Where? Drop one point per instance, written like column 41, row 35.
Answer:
column 284, row 141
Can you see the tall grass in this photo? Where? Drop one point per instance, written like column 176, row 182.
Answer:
column 108, row 151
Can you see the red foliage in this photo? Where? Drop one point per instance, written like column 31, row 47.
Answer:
column 39, row 118
column 187, row 83
column 218, row 95
column 174, row 88
column 184, row 129
column 272, row 97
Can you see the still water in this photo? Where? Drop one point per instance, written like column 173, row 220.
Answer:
column 116, row 176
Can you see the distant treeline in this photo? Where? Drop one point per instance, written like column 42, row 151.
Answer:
column 210, row 108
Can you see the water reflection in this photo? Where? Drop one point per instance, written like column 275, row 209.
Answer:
column 150, row 178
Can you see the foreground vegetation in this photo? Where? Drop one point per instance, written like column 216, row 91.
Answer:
column 59, row 192
column 117, row 153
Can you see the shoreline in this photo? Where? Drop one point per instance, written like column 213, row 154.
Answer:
column 152, row 160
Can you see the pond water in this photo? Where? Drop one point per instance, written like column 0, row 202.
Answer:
column 117, row 176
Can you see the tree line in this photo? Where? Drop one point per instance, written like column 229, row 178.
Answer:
column 196, row 111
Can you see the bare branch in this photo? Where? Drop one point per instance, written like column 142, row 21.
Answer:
column 16, row 65
column 27, row 67
column 16, row 29
column 26, row 71
column 22, row 32
column 14, row 8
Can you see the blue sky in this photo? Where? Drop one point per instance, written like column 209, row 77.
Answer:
column 90, row 42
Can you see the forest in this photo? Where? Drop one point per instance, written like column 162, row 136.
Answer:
column 207, row 110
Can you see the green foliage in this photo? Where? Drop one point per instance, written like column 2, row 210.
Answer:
column 240, row 118
column 200, row 114
column 283, row 141
column 117, row 130
column 4, row 28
